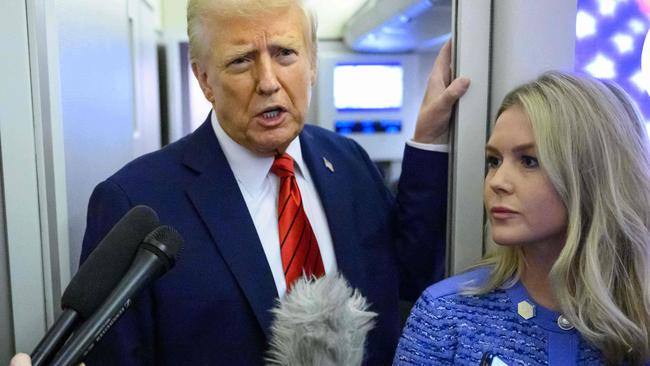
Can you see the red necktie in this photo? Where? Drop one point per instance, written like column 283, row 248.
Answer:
column 298, row 245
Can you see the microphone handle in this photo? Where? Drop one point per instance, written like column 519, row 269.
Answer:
column 54, row 337
column 145, row 268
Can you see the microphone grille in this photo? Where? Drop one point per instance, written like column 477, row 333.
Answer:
column 166, row 239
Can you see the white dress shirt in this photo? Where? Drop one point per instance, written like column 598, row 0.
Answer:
column 260, row 189
column 444, row 148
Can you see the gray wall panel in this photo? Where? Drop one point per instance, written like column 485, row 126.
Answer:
column 97, row 100
column 6, row 324
column 19, row 185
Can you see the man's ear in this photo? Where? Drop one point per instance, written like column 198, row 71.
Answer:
column 313, row 72
column 202, row 78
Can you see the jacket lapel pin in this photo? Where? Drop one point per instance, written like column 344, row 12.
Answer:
column 328, row 164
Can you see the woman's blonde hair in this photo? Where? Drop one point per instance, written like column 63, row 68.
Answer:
column 593, row 145
column 199, row 10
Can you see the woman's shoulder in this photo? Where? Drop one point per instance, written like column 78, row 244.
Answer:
column 456, row 284
column 445, row 323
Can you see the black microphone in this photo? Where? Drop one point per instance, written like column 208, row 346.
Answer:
column 156, row 255
column 97, row 277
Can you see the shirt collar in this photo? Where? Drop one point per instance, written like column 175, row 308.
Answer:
column 249, row 168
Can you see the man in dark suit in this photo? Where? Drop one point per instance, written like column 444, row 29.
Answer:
column 219, row 187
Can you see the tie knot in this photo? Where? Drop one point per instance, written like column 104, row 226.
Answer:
column 282, row 165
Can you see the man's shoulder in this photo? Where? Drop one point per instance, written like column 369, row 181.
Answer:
column 318, row 130
column 325, row 135
column 156, row 164
column 343, row 149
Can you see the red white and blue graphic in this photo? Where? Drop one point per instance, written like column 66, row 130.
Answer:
column 613, row 43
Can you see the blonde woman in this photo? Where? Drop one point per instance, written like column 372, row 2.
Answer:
column 567, row 194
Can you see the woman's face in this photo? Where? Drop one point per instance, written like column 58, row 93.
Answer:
column 523, row 207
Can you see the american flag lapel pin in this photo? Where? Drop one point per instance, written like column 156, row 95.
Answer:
column 328, row 164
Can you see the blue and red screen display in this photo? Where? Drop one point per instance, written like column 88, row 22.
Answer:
column 613, row 43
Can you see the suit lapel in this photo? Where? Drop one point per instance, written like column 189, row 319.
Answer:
column 218, row 200
column 334, row 190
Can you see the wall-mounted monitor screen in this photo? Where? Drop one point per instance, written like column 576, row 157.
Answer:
column 364, row 87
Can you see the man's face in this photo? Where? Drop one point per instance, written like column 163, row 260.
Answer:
column 257, row 72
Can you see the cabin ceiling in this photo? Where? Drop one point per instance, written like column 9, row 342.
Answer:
column 332, row 15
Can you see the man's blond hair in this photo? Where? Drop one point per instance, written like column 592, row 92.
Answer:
column 198, row 12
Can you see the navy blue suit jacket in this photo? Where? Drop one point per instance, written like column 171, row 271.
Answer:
column 212, row 308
